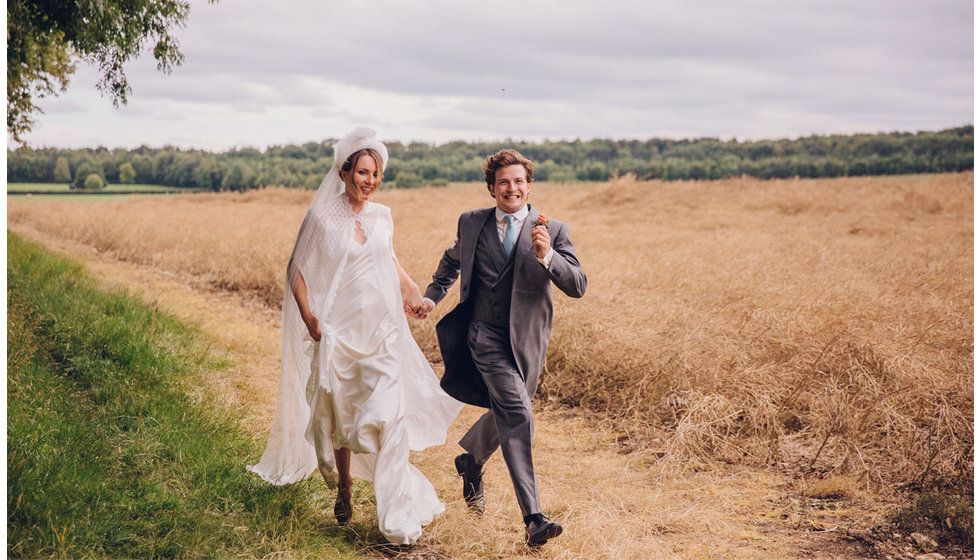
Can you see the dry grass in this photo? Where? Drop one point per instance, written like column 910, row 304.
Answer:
column 825, row 325
column 614, row 504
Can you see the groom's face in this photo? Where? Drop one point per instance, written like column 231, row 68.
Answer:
column 510, row 188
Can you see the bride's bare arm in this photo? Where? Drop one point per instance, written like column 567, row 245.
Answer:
column 413, row 295
column 302, row 301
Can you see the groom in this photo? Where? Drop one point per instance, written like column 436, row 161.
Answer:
column 493, row 343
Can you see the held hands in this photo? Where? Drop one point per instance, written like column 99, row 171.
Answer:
column 415, row 306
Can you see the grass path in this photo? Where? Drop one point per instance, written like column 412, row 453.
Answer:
column 614, row 502
column 115, row 448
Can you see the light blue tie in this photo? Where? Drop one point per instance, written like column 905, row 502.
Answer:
column 510, row 235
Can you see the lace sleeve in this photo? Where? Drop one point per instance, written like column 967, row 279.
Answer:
column 311, row 236
column 390, row 226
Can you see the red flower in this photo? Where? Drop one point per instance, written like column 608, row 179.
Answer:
column 542, row 221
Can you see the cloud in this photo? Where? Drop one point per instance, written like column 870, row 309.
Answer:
column 442, row 70
column 56, row 105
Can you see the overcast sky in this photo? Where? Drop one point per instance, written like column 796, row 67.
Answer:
column 259, row 73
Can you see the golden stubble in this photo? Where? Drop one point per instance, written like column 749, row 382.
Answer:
column 820, row 326
column 613, row 502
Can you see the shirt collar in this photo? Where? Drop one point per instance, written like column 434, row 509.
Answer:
column 519, row 215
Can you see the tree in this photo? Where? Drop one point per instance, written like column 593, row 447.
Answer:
column 143, row 166
column 208, row 175
column 408, row 180
column 544, row 170
column 86, row 168
column 94, row 181
column 62, row 171
column 706, row 158
column 239, row 178
column 127, row 174
column 45, row 39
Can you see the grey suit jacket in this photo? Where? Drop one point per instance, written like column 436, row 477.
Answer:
column 531, row 307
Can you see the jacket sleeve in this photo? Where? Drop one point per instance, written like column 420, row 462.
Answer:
column 447, row 272
column 565, row 271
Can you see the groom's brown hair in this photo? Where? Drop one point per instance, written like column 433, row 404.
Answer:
column 503, row 158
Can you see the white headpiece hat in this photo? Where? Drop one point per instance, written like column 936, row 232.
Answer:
column 362, row 137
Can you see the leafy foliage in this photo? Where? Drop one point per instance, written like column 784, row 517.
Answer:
column 408, row 180
column 419, row 164
column 86, row 168
column 94, row 181
column 45, row 40
column 62, row 170
column 127, row 174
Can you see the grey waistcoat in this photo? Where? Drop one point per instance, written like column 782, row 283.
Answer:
column 493, row 278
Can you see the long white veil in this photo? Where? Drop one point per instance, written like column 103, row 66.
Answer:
column 289, row 456
column 320, row 255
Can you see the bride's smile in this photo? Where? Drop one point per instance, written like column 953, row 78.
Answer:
column 363, row 181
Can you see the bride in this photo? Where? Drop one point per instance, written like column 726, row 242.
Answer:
column 355, row 392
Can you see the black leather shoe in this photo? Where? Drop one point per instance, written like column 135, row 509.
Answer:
column 342, row 508
column 472, row 482
column 540, row 529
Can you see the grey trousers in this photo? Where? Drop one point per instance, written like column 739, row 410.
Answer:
column 508, row 424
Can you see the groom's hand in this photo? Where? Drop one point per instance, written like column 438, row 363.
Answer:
column 423, row 310
column 541, row 241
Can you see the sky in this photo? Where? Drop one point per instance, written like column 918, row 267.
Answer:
column 259, row 73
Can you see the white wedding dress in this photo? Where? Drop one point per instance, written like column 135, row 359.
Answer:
column 365, row 385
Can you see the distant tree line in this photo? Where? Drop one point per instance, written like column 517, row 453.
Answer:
column 416, row 163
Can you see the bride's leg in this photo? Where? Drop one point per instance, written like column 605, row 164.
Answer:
column 343, row 509
column 342, row 457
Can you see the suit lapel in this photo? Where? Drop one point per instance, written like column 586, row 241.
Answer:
column 468, row 241
column 524, row 247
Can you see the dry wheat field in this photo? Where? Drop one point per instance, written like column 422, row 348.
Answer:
column 818, row 330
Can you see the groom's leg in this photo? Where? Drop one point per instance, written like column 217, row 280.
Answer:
column 481, row 440
column 510, row 409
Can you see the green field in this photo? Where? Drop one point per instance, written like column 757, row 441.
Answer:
column 13, row 188
column 108, row 455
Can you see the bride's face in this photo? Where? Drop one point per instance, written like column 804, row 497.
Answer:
column 363, row 179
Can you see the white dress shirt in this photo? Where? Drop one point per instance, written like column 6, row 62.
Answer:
column 519, row 218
